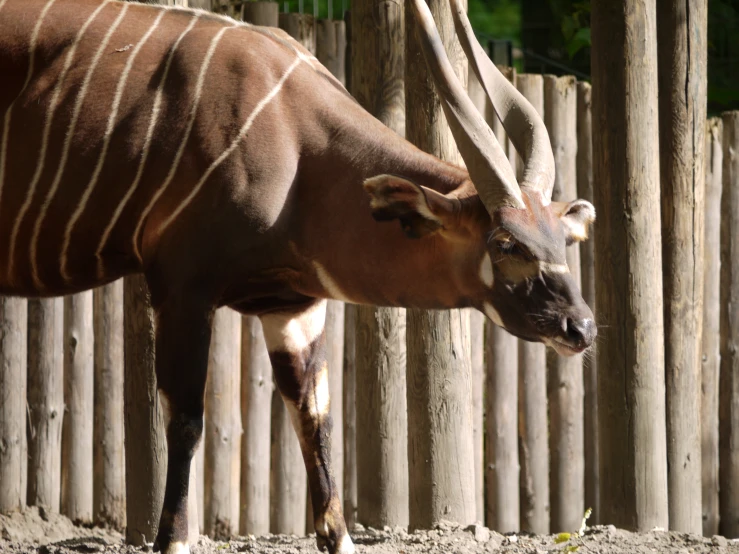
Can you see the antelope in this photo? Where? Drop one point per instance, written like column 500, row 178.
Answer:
column 227, row 165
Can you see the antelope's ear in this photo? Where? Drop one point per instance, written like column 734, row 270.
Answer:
column 420, row 210
column 576, row 216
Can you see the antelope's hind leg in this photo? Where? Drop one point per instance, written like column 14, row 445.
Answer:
column 182, row 341
column 297, row 349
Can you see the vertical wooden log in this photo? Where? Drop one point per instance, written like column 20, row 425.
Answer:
column 109, row 493
column 199, row 463
column 331, row 47
column 288, row 485
column 256, row 399
column 261, row 13
column 631, row 388
column 477, row 386
column 237, row 430
column 440, row 449
column 377, row 48
column 79, row 366
column 349, row 416
column 587, row 269
column 729, row 378
column 146, row 465
column 220, row 432
column 300, row 26
column 335, row 360
column 565, row 383
column 13, row 362
column 503, row 507
column 711, row 343
column 45, row 401
column 533, row 426
column 683, row 80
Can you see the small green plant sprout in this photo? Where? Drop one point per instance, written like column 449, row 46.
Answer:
column 577, row 535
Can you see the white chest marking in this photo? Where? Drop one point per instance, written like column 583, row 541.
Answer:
column 333, row 290
column 486, row 271
column 294, row 333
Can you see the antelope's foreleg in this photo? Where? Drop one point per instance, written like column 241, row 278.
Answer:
column 182, row 342
column 297, row 349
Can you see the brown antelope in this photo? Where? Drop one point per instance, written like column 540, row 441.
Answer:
column 227, row 165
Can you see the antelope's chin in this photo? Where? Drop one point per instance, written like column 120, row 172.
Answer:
column 562, row 348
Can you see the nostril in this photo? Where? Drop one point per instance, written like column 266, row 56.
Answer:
column 582, row 331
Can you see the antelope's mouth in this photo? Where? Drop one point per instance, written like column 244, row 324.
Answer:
column 564, row 349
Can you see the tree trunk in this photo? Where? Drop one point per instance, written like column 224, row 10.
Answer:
column 503, row 472
column 377, row 48
column 261, row 13
column 302, row 27
column 146, row 464
column 109, row 492
column 711, row 343
column 631, row 388
column 682, row 50
column 13, row 363
column 256, row 398
column 565, row 383
column 335, row 360
column 79, row 368
column 587, row 270
column 533, row 428
column 440, row 448
column 224, row 364
column 45, row 401
column 729, row 379
column 349, row 416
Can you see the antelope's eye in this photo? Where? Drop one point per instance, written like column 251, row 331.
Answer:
column 511, row 248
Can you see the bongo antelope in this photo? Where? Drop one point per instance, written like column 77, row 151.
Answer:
column 223, row 162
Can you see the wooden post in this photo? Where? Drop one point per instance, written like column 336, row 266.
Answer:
column 109, row 493
column 631, row 388
column 300, row 26
column 683, row 80
column 711, row 343
column 199, row 463
column 335, row 359
column 503, row 507
column 13, row 360
column 288, row 485
column 565, row 383
column 349, row 416
column 261, row 13
column 224, row 363
column 729, row 379
column 584, row 164
column 377, row 54
column 477, row 386
column 440, row 448
column 45, row 401
column 331, row 47
column 533, row 426
column 256, row 399
column 79, row 367
column 146, row 465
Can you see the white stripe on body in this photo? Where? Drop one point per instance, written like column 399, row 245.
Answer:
column 9, row 110
column 234, row 144
column 67, row 144
column 145, row 150
column 45, row 137
column 106, row 143
column 188, row 129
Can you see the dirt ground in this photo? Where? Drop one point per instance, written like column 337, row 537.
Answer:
column 37, row 532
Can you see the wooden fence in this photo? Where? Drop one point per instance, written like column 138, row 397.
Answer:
column 532, row 418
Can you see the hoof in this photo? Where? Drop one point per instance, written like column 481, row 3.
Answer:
column 173, row 548
column 343, row 546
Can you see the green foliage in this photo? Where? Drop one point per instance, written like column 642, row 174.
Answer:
column 577, row 535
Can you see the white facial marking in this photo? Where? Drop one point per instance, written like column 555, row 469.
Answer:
column 188, row 129
column 486, row 271
column 321, row 407
column 346, row 546
column 106, row 143
column 147, row 145
column 493, row 314
column 178, row 548
column 546, row 267
column 329, row 285
column 53, row 103
column 29, row 74
column 234, row 144
column 294, row 332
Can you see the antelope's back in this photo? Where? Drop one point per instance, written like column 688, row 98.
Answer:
column 119, row 121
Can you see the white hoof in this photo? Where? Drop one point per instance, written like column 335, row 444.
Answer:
column 178, row 548
column 346, row 546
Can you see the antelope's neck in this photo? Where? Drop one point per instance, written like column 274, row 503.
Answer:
column 357, row 259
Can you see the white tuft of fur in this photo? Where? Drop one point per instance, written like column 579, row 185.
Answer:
column 177, row 548
column 493, row 314
column 346, row 546
column 293, row 333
